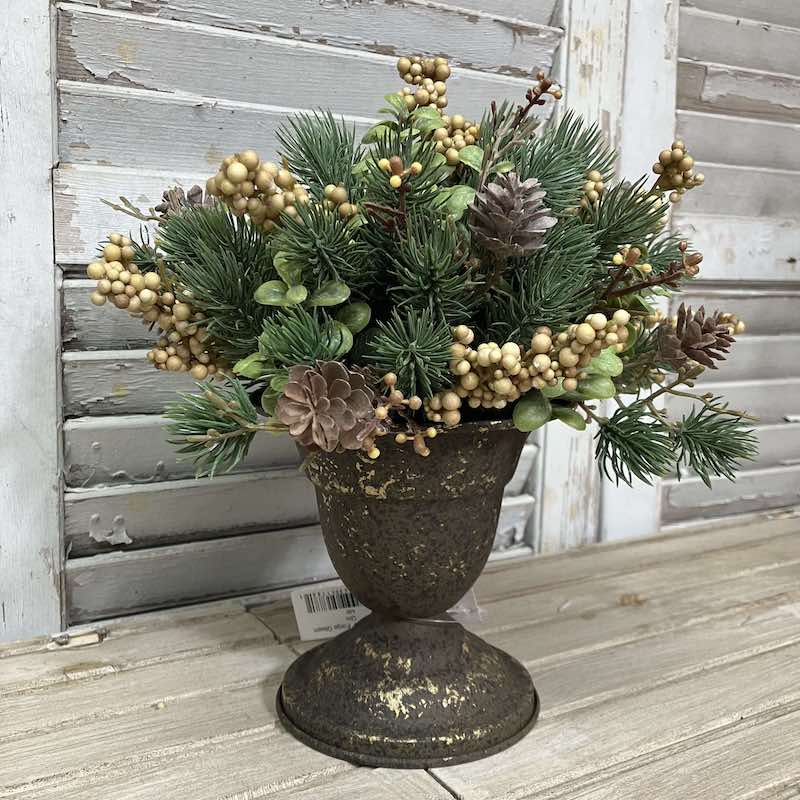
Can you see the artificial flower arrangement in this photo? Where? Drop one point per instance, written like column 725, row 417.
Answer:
column 408, row 307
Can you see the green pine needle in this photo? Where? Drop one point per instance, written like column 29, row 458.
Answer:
column 214, row 428
column 714, row 444
column 634, row 443
column 320, row 150
column 416, row 348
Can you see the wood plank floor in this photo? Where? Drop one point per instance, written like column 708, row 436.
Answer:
column 668, row 669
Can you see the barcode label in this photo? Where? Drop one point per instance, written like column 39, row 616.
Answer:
column 325, row 610
column 317, row 602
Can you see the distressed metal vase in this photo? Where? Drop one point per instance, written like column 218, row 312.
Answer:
column 407, row 686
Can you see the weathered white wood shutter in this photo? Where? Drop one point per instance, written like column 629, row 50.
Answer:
column 154, row 93
column 739, row 110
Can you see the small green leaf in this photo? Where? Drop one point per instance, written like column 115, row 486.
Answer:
column 377, row 132
column 456, row 199
column 360, row 166
column 472, row 156
column 251, row 366
column 291, row 274
column 504, row 166
column 355, row 316
column 331, row 293
column 633, row 335
column 569, row 417
column 532, row 411
column 606, row 363
column 597, row 387
column 296, row 295
column 427, row 119
column 554, row 391
column 396, row 101
column 271, row 293
column 345, row 337
column 278, row 382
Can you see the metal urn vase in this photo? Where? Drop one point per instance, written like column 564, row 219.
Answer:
column 408, row 686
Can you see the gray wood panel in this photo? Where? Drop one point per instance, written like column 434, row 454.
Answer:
column 764, row 310
column 118, row 381
column 741, row 248
column 753, row 490
column 121, row 583
column 155, row 514
column 747, row 92
column 753, row 357
column 134, row 450
column 739, row 42
column 486, row 41
column 131, row 50
column 770, row 192
column 778, row 12
column 740, row 141
column 770, row 404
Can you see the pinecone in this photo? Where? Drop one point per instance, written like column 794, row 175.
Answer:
column 509, row 218
column 328, row 407
column 695, row 337
column 175, row 200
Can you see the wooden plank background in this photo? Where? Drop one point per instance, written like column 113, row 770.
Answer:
column 738, row 111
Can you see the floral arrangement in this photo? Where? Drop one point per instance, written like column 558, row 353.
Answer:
column 438, row 271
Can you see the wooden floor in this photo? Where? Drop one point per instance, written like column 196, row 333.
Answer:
column 668, row 670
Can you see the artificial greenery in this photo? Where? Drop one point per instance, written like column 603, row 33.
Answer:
column 452, row 267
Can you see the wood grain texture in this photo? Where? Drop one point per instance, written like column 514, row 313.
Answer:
column 703, row 86
column 172, row 57
column 170, row 512
column 134, row 449
column 118, row 382
column 689, row 498
column 743, row 248
column 740, row 141
column 30, row 553
column 781, row 403
column 739, row 42
column 488, row 41
column 771, row 192
column 779, row 12
column 778, row 445
column 753, row 357
column 123, row 583
column 764, row 310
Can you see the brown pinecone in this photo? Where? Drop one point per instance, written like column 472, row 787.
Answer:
column 509, row 218
column 175, row 200
column 328, row 407
column 695, row 337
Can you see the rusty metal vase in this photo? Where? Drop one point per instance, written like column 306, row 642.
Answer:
column 408, row 686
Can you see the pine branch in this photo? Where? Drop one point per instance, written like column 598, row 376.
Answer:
column 416, row 347
column 713, row 444
column 321, row 150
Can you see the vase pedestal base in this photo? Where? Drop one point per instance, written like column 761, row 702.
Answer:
column 407, row 694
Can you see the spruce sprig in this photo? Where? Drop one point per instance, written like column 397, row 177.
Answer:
column 416, row 347
column 714, row 444
column 214, row 428
column 634, row 442
column 428, row 269
column 320, row 150
column 223, row 260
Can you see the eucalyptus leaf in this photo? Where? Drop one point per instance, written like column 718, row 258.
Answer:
column 278, row 382
column 606, row 363
column 596, row 387
column 271, row 293
column 296, row 295
column 331, row 293
column 340, row 330
column 554, row 391
column 569, row 417
column 291, row 274
column 456, row 199
column 251, row 366
column 427, row 119
column 355, row 316
column 396, row 101
column 532, row 411
column 377, row 132
column 472, row 156
column 504, row 166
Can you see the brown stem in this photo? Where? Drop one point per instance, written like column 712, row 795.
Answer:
column 667, row 278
